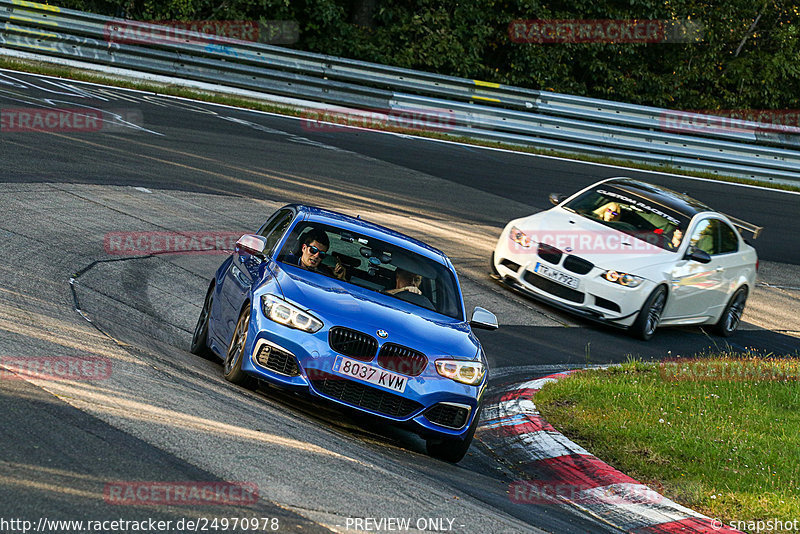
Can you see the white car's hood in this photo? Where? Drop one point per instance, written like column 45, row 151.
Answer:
column 605, row 247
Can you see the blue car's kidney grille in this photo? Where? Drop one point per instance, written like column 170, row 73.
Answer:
column 448, row 415
column 352, row 343
column 402, row 359
column 364, row 396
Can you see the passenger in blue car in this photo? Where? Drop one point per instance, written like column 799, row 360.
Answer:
column 312, row 252
column 407, row 287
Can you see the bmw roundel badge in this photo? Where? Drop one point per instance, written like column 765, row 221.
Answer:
column 383, row 334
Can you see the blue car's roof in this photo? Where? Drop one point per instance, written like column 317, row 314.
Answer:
column 370, row 229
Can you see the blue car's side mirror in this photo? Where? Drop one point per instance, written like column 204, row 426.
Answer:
column 252, row 244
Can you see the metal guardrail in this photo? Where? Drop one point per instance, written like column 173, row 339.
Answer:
column 474, row 108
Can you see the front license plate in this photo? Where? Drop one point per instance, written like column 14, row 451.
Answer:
column 556, row 276
column 367, row 373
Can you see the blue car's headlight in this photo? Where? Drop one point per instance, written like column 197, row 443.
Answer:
column 466, row 372
column 282, row 312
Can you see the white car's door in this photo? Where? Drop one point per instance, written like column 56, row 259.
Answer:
column 698, row 288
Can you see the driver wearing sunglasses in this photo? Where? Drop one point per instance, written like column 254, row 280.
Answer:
column 313, row 251
column 609, row 212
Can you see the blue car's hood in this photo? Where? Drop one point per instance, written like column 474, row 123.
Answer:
column 342, row 304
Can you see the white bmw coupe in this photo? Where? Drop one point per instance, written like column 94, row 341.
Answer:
column 634, row 255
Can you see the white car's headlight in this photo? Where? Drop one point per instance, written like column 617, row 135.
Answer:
column 466, row 372
column 282, row 312
column 623, row 279
column 519, row 237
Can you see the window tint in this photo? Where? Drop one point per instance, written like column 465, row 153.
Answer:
column 715, row 237
column 728, row 241
column 274, row 228
column 279, row 229
column 703, row 236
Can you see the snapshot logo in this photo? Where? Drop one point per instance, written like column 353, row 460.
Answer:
column 54, row 368
column 128, row 243
column 761, row 525
column 339, row 119
column 560, row 31
column 587, row 241
column 180, row 493
column 785, row 121
column 68, row 120
column 202, row 32
column 542, row 492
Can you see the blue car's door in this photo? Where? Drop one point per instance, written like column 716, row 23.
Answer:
column 244, row 270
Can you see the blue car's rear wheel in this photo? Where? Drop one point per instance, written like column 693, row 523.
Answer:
column 232, row 368
column 200, row 338
column 453, row 450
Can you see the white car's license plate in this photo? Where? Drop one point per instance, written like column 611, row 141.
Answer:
column 556, row 275
column 367, row 373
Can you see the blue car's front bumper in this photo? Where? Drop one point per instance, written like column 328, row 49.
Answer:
column 430, row 405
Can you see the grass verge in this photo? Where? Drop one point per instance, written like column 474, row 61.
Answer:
column 247, row 103
column 717, row 433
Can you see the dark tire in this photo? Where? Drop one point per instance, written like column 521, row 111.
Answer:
column 453, row 450
column 200, row 337
column 644, row 327
column 732, row 316
column 232, row 368
column 492, row 267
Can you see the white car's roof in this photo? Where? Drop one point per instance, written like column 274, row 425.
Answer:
column 679, row 202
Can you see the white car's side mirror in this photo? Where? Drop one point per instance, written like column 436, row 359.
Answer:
column 482, row 318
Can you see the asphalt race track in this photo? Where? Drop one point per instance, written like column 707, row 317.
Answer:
column 157, row 164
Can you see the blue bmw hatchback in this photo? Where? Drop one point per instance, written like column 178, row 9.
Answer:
column 355, row 313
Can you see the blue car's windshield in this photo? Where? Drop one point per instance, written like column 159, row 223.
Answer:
column 375, row 265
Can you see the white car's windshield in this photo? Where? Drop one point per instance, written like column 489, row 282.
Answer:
column 373, row 264
column 638, row 216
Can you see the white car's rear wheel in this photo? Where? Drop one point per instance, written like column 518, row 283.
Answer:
column 732, row 316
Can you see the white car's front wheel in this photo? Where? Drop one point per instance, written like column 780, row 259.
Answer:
column 650, row 315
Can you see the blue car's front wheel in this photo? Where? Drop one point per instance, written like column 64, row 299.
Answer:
column 232, row 369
